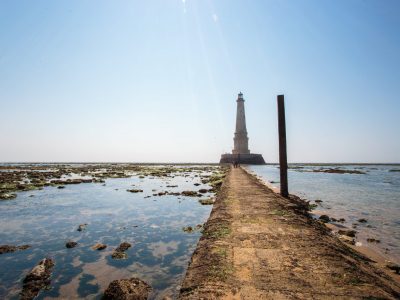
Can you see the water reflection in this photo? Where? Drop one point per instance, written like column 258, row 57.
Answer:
column 48, row 218
column 374, row 195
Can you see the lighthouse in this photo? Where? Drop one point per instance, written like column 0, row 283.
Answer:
column 241, row 152
column 240, row 140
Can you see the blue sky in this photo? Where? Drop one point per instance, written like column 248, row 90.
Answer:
column 156, row 81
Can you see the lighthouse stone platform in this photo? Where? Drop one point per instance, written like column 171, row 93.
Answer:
column 248, row 159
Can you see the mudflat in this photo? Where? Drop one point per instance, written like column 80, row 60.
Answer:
column 259, row 245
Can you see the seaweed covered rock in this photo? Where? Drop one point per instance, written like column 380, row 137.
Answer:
column 325, row 218
column 208, row 201
column 349, row 233
column 71, row 244
column 127, row 289
column 99, row 246
column 11, row 248
column 37, row 279
column 119, row 253
column 82, row 227
column 135, row 191
column 7, row 196
column 189, row 193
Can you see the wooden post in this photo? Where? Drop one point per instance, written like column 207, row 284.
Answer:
column 282, row 146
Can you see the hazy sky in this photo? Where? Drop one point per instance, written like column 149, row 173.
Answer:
column 156, row 81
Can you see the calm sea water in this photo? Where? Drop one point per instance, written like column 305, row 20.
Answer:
column 374, row 196
column 47, row 220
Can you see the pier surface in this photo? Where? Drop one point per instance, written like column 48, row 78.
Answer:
column 259, row 245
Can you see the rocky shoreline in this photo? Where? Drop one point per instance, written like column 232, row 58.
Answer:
column 22, row 179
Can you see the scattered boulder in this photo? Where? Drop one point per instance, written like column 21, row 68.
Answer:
column 189, row 193
column 10, row 248
column 362, row 220
column 127, row 289
column 197, row 184
column 350, row 233
column 325, row 218
column 119, row 253
column 188, row 229
column 203, row 191
column 123, row 247
column 342, row 220
column 37, row 279
column 208, row 201
column 372, row 240
column 71, row 244
column 7, row 196
column 318, row 201
column 82, row 227
column 99, row 246
column 61, row 187
column 347, row 239
column 135, row 191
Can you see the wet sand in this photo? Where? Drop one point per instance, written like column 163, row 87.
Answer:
column 257, row 244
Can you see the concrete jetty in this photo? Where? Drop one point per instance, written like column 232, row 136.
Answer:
column 259, row 245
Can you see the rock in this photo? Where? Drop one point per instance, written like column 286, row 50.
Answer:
column 10, row 248
column 119, row 253
column 362, row 220
column 350, row 233
column 82, row 227
column 7, row 196
column 71, row 244
column 61, row 187
column 347, row 239
column 324, row 218
column 127, row 289
column 197, row 184
column 99, row 246
column 123, row 247
column 339, row 171
column 372, row 240
column 189, row 193
column 203, row 191
column 394, row 267
column 37, row 279
column 310, row 206
column 208, row 201
column 187, row 229
column 342, row 220
column 135, row 191
column 318, row 201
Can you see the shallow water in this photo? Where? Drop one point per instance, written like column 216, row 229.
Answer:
column 46, row 219
column 374, row 196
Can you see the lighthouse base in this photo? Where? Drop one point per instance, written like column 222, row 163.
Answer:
column 246, row 159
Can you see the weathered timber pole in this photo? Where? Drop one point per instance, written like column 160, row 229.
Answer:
column 282, row 146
